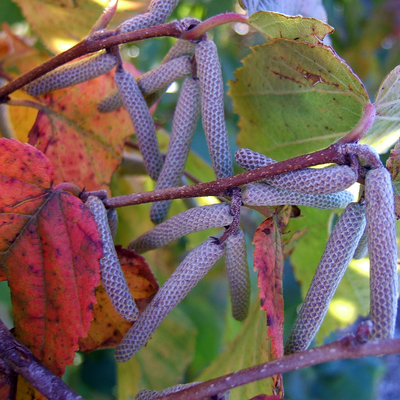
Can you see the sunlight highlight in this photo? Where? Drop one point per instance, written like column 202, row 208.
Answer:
column 343, row 310
column 360, row 266
column 62, row 44
column 205, row 201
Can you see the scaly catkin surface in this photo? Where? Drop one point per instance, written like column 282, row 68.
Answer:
column 111, row 273
column 142, row 122
column 382, row 246
column 193, row 268
column 334, row 261
column 261, row 194
column 157, row 13
column 184, row 124
column 112, row 218
column 362, row 247
column 238, row 274
column 193, row 220
column 308, row 180
column 212, row 108
column 73, row 73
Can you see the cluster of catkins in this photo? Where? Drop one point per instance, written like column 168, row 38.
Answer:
column 364, row 225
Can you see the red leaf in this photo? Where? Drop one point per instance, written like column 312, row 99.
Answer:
column 108, row 327
column 50, row 247
column 85, row 145
column 268, row 261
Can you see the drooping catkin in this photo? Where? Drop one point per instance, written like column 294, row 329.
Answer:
column 193, row 268
column 156, row 14
column 193, row 220
column 362, row 247
column 261, row 194
column 184, row 124
column 142, row 122
column 308, row 180
column 156, row 80
column 112, row 218
column 212, row 107
column 336, row 257
column 112, row 276
column 382, row 246
column 73, row 73
column 238, row 274
column 180, row 48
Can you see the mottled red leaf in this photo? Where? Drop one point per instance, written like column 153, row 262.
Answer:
column 108, row 327
column 85, row 145
column 268, row 261
column 50, row 247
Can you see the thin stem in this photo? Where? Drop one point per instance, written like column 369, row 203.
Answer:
column 213, row 22
column 17, row 358
column 347, row 347
column 106, row 16
column 90, row 45
column 362, row 127
column 333, row 154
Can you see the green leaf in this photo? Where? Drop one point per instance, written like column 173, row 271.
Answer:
column 385, row 130
column 352, row 296
column 294, row 98
column 249, row 348
column 164, row 360
column 275, row 26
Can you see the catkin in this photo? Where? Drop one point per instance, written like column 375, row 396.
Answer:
column 212, row 107
column 184, row 124
column 112, row 218
column 336, row 257
column 157, row 13
column 112, row 276
column 193, row 268
column 261, row 194
column 308, row 180
column 73, row 73
column 180, row 48
column 238, row 274
column 382, row 246
column 362, row 247
column 142, row 122
column 156, row 80
column 193, row 220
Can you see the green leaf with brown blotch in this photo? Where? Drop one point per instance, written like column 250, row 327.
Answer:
column 294, row 98
column 274, row 26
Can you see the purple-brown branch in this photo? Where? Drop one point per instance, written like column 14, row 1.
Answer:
column 90, row 45
column 336, row 153
column 18, row 359
column 348, row 347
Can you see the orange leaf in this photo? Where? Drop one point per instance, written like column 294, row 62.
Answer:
column 50, row 250
column 85, row 145
column 108, row 327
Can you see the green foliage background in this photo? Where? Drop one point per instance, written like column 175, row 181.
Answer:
column 201, row 328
